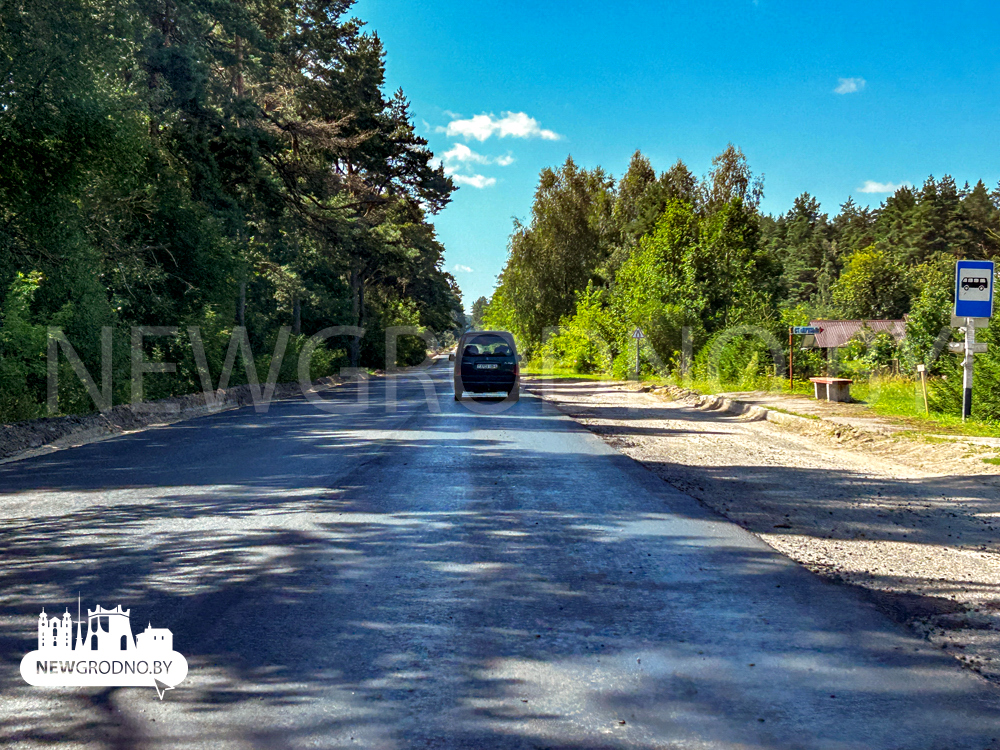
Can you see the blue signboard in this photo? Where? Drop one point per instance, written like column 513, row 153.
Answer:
column 974, row 289
column 799, row 330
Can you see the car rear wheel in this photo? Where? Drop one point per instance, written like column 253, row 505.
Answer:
column 458, row 391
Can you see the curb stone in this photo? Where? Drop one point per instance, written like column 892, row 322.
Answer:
column 753, row 412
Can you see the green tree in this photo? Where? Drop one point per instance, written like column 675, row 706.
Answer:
column 801, row 241
column 730, row 178
column 930, row 315
column 211, row 163
column 553, row 258
column 478, row 313
column 651, row 289
column 872, row 286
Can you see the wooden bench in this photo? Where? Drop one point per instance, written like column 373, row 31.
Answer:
column 832, row 389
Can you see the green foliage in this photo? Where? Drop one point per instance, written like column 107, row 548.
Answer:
column 581, row 343
column 866, row 353
column 873, row 285
column 745, row 357
column 928, row 326
column 945, row 392
column 802, row 238
column 478, row 313
column 651, row 291
column 730, row 179
column 553, row 258
column 221, row 164
column 698, row 268
column 678, row 259
column 22, row 350
column 986, row 376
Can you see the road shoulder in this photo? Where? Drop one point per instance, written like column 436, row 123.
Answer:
column 896, row 517
column 38, row 437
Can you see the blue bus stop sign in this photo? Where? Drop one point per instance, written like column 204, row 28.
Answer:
column 974, row 289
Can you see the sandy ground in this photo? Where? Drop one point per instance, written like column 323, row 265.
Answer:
column 914, row 522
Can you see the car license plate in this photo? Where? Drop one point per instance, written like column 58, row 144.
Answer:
column 486, row 367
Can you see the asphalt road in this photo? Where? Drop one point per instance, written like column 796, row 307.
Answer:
column 437, row 577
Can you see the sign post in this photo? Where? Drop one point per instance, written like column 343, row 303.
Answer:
column 922, row 369
column 791, row 348
column 638, row 335
column 798, row 331
column 973, row 299
column 967, row 360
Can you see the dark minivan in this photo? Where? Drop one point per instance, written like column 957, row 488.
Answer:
column 486, row 362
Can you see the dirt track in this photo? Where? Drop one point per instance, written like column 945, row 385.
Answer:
column 916, row 524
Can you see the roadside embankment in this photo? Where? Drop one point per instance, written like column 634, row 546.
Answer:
column 33, row 437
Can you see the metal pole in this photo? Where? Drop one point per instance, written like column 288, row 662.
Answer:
column 638, row 343
column 923, row 385
column 791, row 385
column 970, row 340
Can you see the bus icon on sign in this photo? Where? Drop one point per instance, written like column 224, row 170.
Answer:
column 972, row 282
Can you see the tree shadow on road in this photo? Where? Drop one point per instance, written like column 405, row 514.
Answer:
column 412, row 587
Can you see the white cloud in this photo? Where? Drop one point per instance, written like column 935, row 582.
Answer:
column 512, row 124
column 849, row 85
column 461, row 269
column 476, row 180
column 871, row 186
column 462, row 153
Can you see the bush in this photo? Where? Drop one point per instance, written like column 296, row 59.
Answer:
column 986, row 376
column 574, row 348
column 867, row 353
column 22, row 352
column 944, row 393
column 581, row 343
column 742, row 356
column 930, row 317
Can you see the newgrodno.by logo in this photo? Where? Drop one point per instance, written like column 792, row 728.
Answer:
column 105, row 655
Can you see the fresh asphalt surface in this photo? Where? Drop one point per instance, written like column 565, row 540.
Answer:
column 436, row 577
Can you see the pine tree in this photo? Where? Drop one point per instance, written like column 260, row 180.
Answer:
column 802, row 246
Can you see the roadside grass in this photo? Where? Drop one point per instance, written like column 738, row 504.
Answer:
column 764, row 383
column 794, row 414
column 535, row 370
column 901, row 398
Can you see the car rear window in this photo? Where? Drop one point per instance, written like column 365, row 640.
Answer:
column 482, row 346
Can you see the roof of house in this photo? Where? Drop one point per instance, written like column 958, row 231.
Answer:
column 837, row 333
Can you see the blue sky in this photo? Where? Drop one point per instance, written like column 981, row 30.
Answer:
column 825, row 98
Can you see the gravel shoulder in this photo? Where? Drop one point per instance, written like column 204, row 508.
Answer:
column 914, row 523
